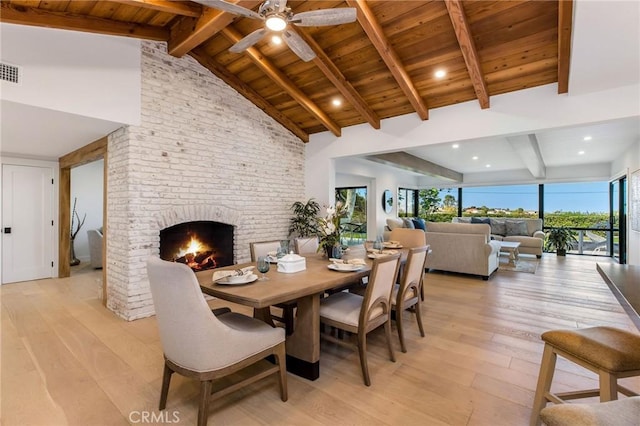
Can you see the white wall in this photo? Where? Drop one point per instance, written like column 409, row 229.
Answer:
column 87, row 186
column 627, row 164
column 87, row 74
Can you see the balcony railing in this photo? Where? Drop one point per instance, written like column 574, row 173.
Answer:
column 595, row 241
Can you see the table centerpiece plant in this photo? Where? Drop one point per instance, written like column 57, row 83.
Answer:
column 330, row 228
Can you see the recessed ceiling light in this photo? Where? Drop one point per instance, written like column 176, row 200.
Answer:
column 440, row 73
column 336, row 102
column 580, row 152
column 276, row 39
column 587, row 138
column 475, row 157
column 455, row 146
column 488, row 165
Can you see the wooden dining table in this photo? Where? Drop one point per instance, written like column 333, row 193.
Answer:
column 305, row 287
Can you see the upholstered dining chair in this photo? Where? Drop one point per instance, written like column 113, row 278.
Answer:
column 408, row 238
column 407, row 294
column 202, row 346
column 361, row 314
column 263, row 248
column 307, row 245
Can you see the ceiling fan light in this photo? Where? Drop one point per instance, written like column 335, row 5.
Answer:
column 276, row 23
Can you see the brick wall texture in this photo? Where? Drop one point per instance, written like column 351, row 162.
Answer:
column 201, row 152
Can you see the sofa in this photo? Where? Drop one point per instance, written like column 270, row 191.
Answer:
column 528, row 232
column 95, row 247
column 462, row 247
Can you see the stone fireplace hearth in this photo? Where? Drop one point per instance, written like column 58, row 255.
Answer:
column 201, row 245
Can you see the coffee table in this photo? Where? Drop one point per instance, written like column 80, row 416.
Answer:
column 510, row 247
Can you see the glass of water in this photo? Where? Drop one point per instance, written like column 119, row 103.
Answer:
column 263, row 267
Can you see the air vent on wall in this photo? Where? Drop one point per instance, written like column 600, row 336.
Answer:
column 10, row 73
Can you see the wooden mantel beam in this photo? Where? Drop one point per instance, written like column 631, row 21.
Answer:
column 15, row 14
column 283, row 81
column 565, row 25
column 469, row 52
column 189, row 33
column 374, row 31
column 333, row 73
column 200, row 55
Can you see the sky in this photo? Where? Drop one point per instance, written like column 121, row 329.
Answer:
column 592, row 197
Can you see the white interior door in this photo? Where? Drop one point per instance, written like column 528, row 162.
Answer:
column 27, row 223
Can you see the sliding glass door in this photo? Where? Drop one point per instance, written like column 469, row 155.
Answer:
column 618, row 219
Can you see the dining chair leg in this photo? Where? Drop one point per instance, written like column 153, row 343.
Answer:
column 281, row 359
column 203, row 409
column 418, row 311
column 387, row 331
column 362, row 352
column 166, row 379
column 400, row 325
column 547, row 368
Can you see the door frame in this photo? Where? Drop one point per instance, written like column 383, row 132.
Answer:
column 30, row 162
column 92, row 152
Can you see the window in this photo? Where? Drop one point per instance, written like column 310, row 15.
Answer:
column 407, row 206
column 355, row 225
column 584, row 207
column 501, row 201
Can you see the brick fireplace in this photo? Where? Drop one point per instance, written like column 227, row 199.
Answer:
column 201, row 152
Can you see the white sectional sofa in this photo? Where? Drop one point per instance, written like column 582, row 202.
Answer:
column 528, row 232
column 462, row 247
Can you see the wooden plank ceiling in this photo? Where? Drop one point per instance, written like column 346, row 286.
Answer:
column 381, row 66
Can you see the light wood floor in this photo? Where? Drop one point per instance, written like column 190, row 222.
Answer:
column 66, row 360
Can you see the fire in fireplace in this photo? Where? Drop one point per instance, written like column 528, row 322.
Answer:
column 200, row 244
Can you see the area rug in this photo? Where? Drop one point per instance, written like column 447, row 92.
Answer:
column 522, row 265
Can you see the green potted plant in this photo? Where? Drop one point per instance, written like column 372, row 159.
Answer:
column 561, row 239
column 304, row 221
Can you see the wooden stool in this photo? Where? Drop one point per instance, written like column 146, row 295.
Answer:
column 609, row 352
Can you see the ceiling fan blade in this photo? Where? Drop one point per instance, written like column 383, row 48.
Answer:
column 230, row 7
column 298, row 45
column 248, row 41
column 316, row 18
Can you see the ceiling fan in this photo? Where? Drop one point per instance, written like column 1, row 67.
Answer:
column 277, row 17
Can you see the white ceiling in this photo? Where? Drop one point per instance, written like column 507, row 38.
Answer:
column 601, row 48
column 559, row 147
column 29, row 131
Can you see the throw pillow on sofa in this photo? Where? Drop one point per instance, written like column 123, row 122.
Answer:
column 481, row 220
column 418, row 223
column 498, row 227
column 394, row 223
column 516, row 228
column 408, row 223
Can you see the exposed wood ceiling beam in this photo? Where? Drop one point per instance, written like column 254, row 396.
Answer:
column 406, row 161
column 565, row 24
column 469, row 52
column 189, row 33
column 333, row 73
column 206, row 61
column 370, row 25
column 283, row 81
column 14, row 14
column 175, row 7
column 527, row 147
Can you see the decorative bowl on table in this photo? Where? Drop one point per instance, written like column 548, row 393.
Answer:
column 291, row 263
